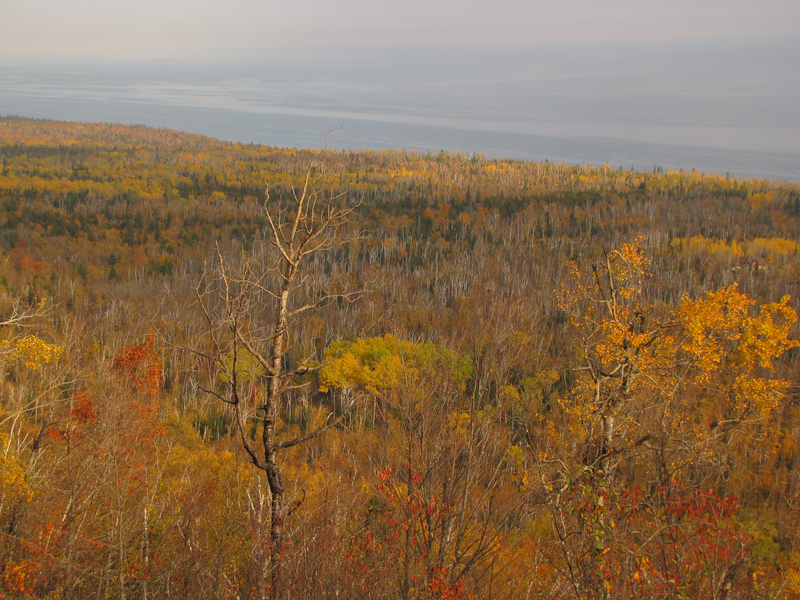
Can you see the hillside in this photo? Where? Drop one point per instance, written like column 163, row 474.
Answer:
column 535, row 379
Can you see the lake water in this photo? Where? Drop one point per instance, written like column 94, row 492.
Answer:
column 724, row 106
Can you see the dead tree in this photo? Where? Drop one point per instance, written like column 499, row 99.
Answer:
column 251, row 305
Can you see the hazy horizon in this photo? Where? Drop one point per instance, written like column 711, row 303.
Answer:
column 713, row 86
column 724, row 105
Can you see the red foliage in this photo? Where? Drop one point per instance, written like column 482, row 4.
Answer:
column 82, row 416
column 83, row 410
column 400, row 538
column 142, row 364
column 705, row 541
column 23, row 262
column 441, row 589
column 28, row 264
column 671, row 543
column 21, row 578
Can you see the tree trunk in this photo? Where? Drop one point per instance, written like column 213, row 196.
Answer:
column 277, row 517
column 274, row 477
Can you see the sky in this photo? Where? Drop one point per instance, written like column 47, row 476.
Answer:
column 41, row 30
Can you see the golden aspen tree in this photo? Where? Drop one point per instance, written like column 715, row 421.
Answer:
column 624, row 349
column 670, row 396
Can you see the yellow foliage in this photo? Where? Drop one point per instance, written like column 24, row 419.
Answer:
column 460, row 422
column 13, row 486
column 509, row 395
column 622, row 337
column 793, row 574
column 757, row 200
column 710, row 246
column 34, row 352
column 705, row 364
column 771, row 248
column 721, row 333
column 383, row 363
column 380, row 370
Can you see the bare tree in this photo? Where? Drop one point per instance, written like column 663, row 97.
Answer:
column 252, row 305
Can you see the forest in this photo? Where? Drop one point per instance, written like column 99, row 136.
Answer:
column 236, row 371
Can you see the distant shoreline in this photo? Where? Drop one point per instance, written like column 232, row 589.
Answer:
column 367, row 135
column 716, row 106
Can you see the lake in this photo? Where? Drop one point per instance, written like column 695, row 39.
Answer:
column 723, row 106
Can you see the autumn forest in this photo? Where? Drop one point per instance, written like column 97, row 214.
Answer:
column 237, row 371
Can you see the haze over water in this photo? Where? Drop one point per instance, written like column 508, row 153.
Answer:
column 723, row 106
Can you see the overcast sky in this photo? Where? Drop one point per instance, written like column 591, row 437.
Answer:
column 103, row 29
